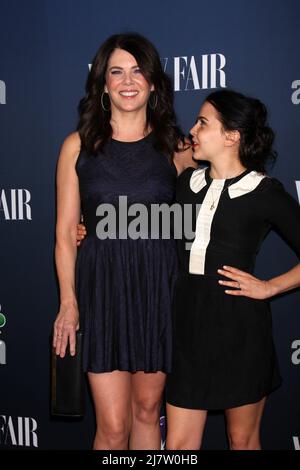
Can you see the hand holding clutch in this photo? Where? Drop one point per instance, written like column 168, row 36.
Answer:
column 67, row 387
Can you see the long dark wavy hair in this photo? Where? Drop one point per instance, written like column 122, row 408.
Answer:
column 94, row 122
column 248, row 116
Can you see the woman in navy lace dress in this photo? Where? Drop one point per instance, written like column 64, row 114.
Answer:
column 117, row 288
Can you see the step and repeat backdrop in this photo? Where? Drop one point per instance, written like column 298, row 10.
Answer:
column 46, row 47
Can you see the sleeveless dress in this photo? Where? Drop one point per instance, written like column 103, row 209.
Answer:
column 223, row 351
column 125, row 286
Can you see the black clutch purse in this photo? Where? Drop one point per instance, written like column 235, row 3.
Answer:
column 67, row 383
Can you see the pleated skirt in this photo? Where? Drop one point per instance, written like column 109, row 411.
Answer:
column 223, row 350
column 124, row 291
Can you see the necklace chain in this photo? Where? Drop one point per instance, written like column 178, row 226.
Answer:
column 212, row 206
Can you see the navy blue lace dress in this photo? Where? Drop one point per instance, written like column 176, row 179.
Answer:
column 125, row 286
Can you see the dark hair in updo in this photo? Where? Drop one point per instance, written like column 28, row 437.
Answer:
column 249, row 117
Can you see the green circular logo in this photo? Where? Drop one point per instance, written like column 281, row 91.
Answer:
column 2, row 320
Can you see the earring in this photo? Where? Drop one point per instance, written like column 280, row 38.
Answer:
column 102, row 104
column 151, row 104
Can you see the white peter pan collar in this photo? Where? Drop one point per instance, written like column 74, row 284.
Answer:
column 246, row 184
column 197, row 180
column 243, row 186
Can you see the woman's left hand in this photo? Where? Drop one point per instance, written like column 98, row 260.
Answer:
column 245, row 284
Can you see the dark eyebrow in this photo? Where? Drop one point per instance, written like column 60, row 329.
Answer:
column 121, row 68
column 201, row 117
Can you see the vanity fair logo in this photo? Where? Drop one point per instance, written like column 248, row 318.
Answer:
column 14, row 204
column 2, row 92
column 296, row 94
column 298, row 189
column 296, row 441
column 18, row 431
column 162, row 424
column 2, row 343
column 195, row 72
column 295, row 358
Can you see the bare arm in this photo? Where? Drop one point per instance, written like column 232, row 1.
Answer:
column 285, row 282
column 68, row 214
column 184, row 159
column 252, row 287
column 283, row 212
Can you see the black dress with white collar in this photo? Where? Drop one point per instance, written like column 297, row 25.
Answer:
column 223, row 352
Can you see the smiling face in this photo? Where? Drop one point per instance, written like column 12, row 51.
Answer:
column 127, row 87
column 209, row 137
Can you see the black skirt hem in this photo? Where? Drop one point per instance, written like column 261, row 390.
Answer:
column 132, row 371
column 222, row 406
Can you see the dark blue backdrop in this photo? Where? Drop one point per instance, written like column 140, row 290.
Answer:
column 45, row 49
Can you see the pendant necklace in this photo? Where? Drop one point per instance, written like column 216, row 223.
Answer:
column 212, row 206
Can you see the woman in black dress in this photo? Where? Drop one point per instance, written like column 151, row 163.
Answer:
column 119, row 289
column 223, row 352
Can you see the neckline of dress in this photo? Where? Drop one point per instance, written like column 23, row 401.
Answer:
column 209, row 179
column 132, row 141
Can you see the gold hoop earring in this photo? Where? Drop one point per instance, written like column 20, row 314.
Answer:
column 102, row 104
